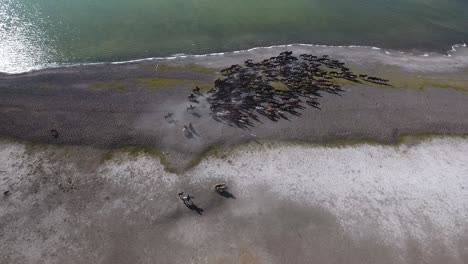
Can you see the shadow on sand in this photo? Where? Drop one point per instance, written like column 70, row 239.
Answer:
column 227, row 194
column 194, row 207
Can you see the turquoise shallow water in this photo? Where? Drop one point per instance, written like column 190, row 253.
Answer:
column 35, row 32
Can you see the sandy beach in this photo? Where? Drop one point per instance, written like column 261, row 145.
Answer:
column 293, row 203
column 339, row 184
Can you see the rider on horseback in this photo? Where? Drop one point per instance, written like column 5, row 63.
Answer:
column 187, row 199
column 220, row 188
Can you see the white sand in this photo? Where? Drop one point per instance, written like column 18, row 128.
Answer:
column 412, row 201
column 398, row 193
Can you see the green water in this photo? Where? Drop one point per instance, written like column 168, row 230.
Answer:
column 70, row 31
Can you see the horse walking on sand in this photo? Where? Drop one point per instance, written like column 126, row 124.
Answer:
column 187, row 199
column 220, row 188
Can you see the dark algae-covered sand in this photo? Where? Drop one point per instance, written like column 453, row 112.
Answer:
column 146, row 104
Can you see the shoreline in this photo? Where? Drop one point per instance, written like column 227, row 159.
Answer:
column 426, row 54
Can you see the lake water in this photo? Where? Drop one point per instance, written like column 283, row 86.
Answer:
column 38, row 32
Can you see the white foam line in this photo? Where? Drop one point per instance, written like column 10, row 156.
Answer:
column 216, row 54
column 176, row 56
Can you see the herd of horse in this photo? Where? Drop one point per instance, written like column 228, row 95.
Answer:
column 276, row 87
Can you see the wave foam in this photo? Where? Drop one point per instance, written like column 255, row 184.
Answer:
column 458, row 55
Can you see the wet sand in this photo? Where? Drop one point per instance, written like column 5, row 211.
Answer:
column 87, row 108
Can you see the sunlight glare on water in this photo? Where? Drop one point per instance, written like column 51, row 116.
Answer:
column 34, row 33
column 21, row 42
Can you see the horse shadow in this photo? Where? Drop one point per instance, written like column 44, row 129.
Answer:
column 194, row 207
column 195, row 114
column 227, row 194
column 193, row 131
